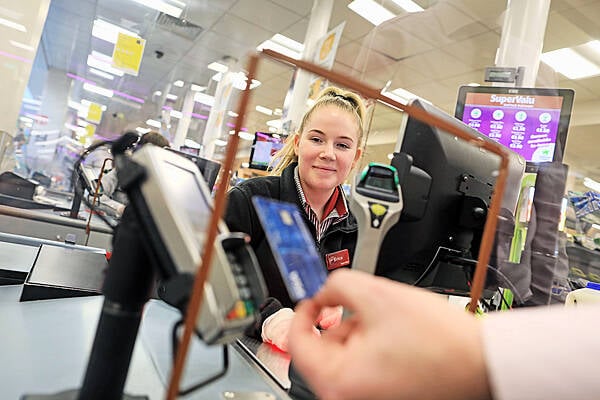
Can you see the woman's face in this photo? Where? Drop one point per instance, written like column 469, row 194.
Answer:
column 327, row 148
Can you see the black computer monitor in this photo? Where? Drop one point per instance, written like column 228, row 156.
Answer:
column 447, row 186
column 264, row 147
column 209, row 168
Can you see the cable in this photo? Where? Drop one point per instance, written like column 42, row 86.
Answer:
column 210, row 379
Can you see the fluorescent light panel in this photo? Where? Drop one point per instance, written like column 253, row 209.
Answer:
column 197, row 88
column 21, row 45
column 204, row 98
column 141, row 130
column 178, row 83
column 284, row 45
column 102, row 74
column 570, row 63
column 409, row 6
column 109, row 32
column 97, row 89
column 592, row 184
column 218, row 67
column 153, row 122
column 103, row 66
column 371, row 11
column 87, row 103
column 13, row 25
column 264, row 110
column 164, row 7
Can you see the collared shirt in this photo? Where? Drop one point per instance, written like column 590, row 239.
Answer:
column 336, row 209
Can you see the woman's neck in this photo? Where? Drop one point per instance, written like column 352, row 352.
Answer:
column 317, row 200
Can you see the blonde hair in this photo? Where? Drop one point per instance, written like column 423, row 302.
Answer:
column 343, row 99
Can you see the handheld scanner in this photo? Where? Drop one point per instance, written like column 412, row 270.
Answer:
column 376, row 202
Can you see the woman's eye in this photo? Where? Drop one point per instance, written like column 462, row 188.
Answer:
column 315, row 139
column 344, row 146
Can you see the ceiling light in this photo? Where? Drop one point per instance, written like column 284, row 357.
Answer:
column 109, row 32
column 87, row 103
column 171, row 97
column 246, row 136
column 178, row 83
column 275, row 123
column 157, row 93
column 102, row 74
column 264, row 110
column 154, row 123
column 220, row 142
column 284, row 45
column 371, row 11
column 197, row 88
column 21, row 45
column 218, row 67
column 164, row 6
column 232, row 114
column 204, row 99
column 592, row 184
column 102, row 65
column 570, row 63
column 97, row 89
column 176, row 114
column 12, row 25
column 409, row 6
column 273, row 129
column 32, row 101
column 390, row 156
column 83, row 123
column 141, row 130
column 26, row 119
column 277, row 111
column 594, row 45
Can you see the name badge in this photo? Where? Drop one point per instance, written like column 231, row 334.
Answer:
column 338, row 259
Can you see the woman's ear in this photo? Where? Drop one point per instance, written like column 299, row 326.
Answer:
column 296, row 143
column 357, row 157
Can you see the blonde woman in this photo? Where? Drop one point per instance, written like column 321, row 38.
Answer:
column 313, row 164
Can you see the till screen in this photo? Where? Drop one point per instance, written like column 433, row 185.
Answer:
column 526, row 124
column 187, row 197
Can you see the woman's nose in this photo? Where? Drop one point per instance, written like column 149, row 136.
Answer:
column 327, row 152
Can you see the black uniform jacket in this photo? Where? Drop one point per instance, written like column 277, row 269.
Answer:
column 240, row 216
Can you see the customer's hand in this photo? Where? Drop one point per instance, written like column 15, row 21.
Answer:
column 399, row 343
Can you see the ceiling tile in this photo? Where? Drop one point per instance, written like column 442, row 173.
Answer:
column 241, row 31
column 266, row 14
column 300, row 7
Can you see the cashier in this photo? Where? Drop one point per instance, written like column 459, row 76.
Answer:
column 312, row 165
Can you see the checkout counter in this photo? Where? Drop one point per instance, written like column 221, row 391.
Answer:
column 46, row 344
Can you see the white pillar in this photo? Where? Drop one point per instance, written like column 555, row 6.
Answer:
column 54, row 101
column 523, row 37
column 16, row 64
column 184, row 122
column 318, row 26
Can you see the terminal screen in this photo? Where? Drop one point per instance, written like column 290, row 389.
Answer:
column 527, row 124
column 187, row 197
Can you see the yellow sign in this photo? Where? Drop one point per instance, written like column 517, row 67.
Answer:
column 90, row 130
column 94, row 113
column 128, row 52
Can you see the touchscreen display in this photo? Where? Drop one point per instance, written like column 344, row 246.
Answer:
column 187, row 197
column 526, row 124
